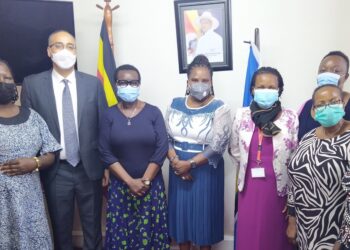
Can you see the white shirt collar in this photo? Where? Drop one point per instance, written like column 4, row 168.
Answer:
column 58, row 78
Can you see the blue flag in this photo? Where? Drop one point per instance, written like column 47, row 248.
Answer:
column 253, row 65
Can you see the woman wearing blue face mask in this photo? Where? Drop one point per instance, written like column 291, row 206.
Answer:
column 316, row 197
column 199, row 129
column 264, row 136
column 333, row 69
column 133, row 145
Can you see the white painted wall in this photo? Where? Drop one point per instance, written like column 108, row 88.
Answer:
column 295, row 35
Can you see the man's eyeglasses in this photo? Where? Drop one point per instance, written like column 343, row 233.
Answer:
column 125, row 83
column 332, row 104
column 61, row 46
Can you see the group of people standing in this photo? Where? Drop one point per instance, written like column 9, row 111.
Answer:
column 293, row 175
column 65, row 131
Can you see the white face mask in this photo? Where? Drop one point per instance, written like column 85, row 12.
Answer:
column 64, row 59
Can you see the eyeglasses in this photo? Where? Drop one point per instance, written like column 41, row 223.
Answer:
column 61, row 46
column 125, row 83
column 331, row 105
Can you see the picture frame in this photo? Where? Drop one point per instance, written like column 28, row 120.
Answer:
column 204, row 27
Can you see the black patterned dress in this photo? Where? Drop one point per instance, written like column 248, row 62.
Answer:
column 316, row 196
column 344, row 235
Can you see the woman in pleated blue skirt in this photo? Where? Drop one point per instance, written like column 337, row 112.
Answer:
column 199, row 129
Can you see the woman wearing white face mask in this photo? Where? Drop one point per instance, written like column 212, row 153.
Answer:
column 264, row 136
column 333, row 69
column 133, row 145
column 199, row 128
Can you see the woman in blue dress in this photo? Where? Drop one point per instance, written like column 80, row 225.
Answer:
column 199, row 129
column 26, row 145
column 134, row 144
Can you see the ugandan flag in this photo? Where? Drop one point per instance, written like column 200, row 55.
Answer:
column 190, row 17
column 106, row 66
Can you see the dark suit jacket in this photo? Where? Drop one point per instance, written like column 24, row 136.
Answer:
column 37, row 93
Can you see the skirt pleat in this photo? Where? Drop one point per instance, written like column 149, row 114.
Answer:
column 196, row 208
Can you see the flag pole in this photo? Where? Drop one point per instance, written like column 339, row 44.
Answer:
column 257, row 38
column 106, row 62
column 107, row 10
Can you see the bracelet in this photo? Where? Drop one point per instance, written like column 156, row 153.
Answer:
column 37, row 161
column 173, row 158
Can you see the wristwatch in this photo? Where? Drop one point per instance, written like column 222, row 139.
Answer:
column 193, row 163
column 147, row 182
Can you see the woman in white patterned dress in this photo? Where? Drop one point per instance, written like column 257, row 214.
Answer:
column 23, row 134
column 199, row 129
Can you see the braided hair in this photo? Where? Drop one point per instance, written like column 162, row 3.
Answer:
column 200, row 61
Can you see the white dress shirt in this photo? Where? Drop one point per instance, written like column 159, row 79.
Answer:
column 58, row 87
column 211, row 45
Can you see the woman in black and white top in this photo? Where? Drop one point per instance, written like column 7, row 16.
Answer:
column 316, row 196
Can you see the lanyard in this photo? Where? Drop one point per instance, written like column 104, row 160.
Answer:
column 258, row 154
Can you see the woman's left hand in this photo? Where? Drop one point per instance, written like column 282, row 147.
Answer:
column 19, row 166
column 187, row 177
column 336, row 246
column 182, row 167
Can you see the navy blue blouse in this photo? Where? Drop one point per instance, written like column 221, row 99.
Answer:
column 136, row 145
column 307, row 123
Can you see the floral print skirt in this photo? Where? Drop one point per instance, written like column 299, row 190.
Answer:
column 137, row 222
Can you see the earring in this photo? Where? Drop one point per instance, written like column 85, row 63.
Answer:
column 15, row 97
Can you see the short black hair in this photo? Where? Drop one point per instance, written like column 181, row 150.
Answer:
column 4, row 62
column 341, row 54
column 323, row 86
column 200, row 61
column 268, row 70
column 127, row 67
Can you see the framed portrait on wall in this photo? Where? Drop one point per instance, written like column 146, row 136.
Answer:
column 204, row 27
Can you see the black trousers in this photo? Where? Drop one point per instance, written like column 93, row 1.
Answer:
column 70, row 184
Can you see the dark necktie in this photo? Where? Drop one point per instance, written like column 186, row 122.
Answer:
column 69, row 127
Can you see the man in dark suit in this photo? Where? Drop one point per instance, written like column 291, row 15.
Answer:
column 71, row 103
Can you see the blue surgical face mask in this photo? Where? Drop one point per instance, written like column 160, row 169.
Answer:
column 328, row 78
column 329, row 115
column 265, row 98
column 128, row 93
